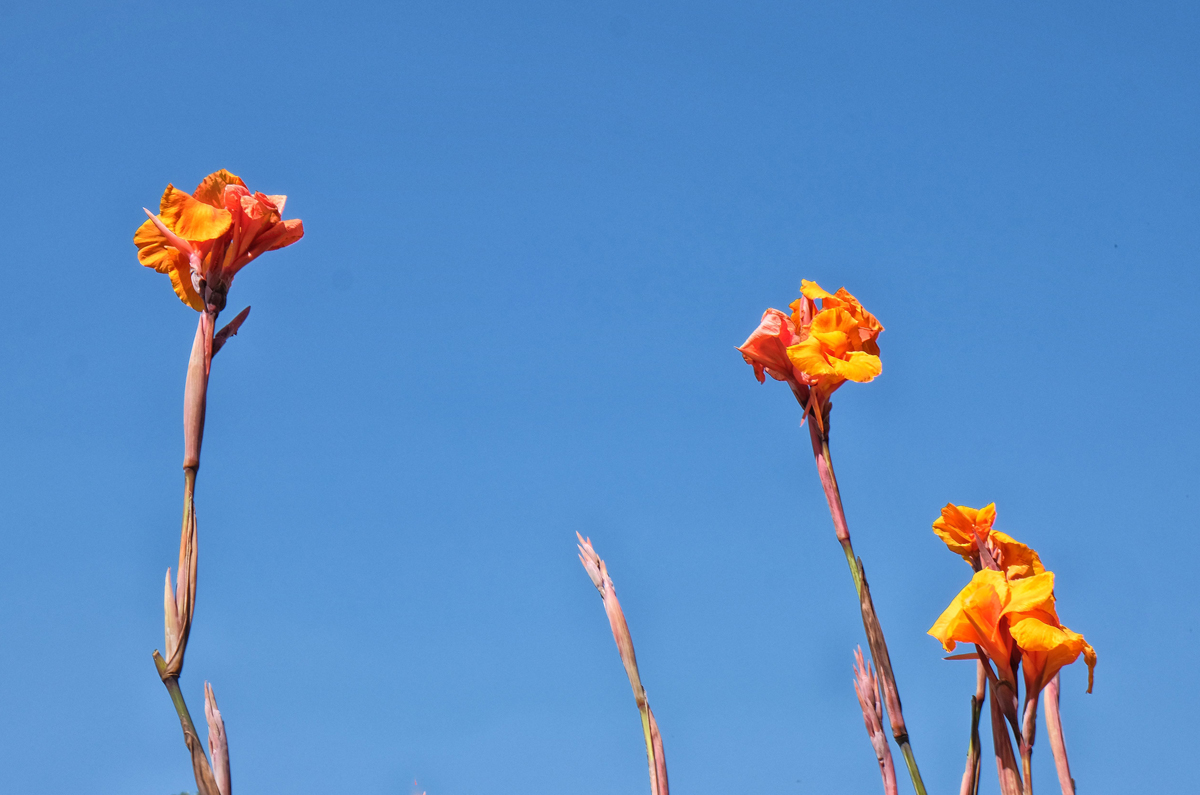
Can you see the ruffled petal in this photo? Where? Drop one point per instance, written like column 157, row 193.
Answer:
column 212, row 190
column 1017, row 560
column 766, row 347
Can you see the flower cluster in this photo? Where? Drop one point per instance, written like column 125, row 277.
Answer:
column 1007, row 611
column 1008, row 608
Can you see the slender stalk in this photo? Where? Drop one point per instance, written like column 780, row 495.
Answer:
column 1006, row 761
column 1054, row 731
column 970, row 782
column 179, row 606
column 1028, row 729
column 200, row 767
column 598, row 572
column 819, row 435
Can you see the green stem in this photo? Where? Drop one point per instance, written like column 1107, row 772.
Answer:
column 848, row 548
column 913, row 772
column 206, row 784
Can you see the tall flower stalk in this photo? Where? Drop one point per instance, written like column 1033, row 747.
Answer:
column 598, row 573
column 201, row 240
column 1058, row 745
column 816, row 349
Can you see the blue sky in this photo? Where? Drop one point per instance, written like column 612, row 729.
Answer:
column 535, row 234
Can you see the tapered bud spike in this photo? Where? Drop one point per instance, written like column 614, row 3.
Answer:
column 170, row 616
column 229, row 330
column 598, row 573
column 867, row 690
column 218, row 743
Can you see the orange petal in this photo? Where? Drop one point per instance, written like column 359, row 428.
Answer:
column 957, row 530
column 1015, row 558
column 192, row 219
column 152, row 248
column 181, row 281
column 808, row 357
column 288, row 232
column 212, row 190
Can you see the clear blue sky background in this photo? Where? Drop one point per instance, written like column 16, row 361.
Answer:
column 535, row 233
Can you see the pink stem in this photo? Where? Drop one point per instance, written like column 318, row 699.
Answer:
column 1006, row 761
column 1054, row 731
column 820, row 445
column 195, row 392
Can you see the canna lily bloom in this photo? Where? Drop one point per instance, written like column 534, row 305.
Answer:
column 965, row 530
column 980, row 615
column 816, row 349
column 202, row 240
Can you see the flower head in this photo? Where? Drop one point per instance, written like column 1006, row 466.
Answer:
column 203, row 239
column 1013, row 621
column 966, row 530
column 817, row 348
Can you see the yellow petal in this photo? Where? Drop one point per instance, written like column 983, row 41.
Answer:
column 858, row 366
column 1034, row 635
column 1031, row 593
column 812, row 290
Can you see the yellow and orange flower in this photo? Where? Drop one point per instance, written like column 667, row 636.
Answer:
column 964, row 529
column 816, row 347
column 1013, row 621
column 202, row 240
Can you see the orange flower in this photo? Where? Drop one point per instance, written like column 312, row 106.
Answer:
column 837, row 341
column 201, row 241
column 1014, row 621
column 964, row 529
column 816, row 350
